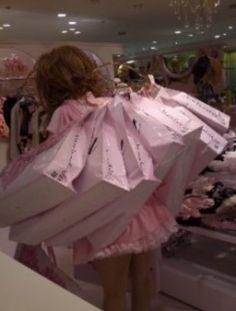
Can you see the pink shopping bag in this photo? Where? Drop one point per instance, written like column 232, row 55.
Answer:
column 210, row 145
column 172, row 190
column 102, row 181
column 213, row 117
column 136, row 199
column 140, row 175
column 43, row 178
column 163, row 144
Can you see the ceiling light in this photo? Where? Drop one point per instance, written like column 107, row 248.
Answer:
column 176, row 43
column 201, row 11
column 217, row 36
column 178, row 32
column 130, row 61
column 72, row 23
column 1, row 28
column 64, row 31
column 144, row 49
column 78, row 32
column 154, row 42
column 202, row 32
column 230, row 27
column 6, row 25
column 153, row 48
column 72, row 29
column 61, row 15
column 190, row 35
column 224, row 34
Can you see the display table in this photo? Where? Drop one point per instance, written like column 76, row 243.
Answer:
column 213, row 234
column 203, row 274
column 24, row 290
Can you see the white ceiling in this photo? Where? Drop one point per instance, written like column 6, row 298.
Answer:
column 102, row 20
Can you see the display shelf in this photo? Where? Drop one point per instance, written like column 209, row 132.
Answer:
column 225, row 237
column 202, row 288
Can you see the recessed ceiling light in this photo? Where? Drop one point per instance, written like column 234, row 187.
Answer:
column 154, row 42
column 64, row 31
column 202, row 32
column 78, row 32
column 6, row 25
column 130, row 61
column 176, row 43
column 178, row 32
column 61, row 15
column 224, row 34
column 72, row 23
column 230, row 27
column 153, row 48
column 190, row 35
column 217, row 36
column 72, row 29
column 144, row 49
column 1, row 28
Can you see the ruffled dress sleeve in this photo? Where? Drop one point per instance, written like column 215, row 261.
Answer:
column 66, row 114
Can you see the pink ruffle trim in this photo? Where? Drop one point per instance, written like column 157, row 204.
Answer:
column 152, row 227
column 150, row 242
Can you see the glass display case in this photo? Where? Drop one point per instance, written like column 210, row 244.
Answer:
column 202, row 272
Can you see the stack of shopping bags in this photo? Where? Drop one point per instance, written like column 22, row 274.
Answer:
column 102, row 169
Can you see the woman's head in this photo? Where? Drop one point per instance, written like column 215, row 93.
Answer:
column 66, row 73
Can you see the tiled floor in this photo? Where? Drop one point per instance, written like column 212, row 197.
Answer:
column 93, row 294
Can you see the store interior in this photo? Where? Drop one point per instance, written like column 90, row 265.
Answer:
column 132, row 40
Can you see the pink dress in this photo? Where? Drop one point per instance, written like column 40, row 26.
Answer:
column 151, row 227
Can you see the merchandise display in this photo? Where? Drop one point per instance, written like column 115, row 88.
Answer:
column 210, row 200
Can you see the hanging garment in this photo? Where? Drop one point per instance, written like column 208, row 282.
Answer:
column 4, row 130
column 28, row 125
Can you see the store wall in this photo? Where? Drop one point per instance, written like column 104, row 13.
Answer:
column 104, row 50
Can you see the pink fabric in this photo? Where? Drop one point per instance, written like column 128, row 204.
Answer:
column 147, row 231
column 16, row 167
column 229, row 165
column 151, row 227
column 191, row 207
column 74, row 110
column 70, row 111
column 4, row 131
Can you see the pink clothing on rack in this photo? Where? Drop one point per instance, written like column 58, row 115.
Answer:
column 152, row 226
column 4, row 131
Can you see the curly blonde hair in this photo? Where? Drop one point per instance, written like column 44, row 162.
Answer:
column 67, row 73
